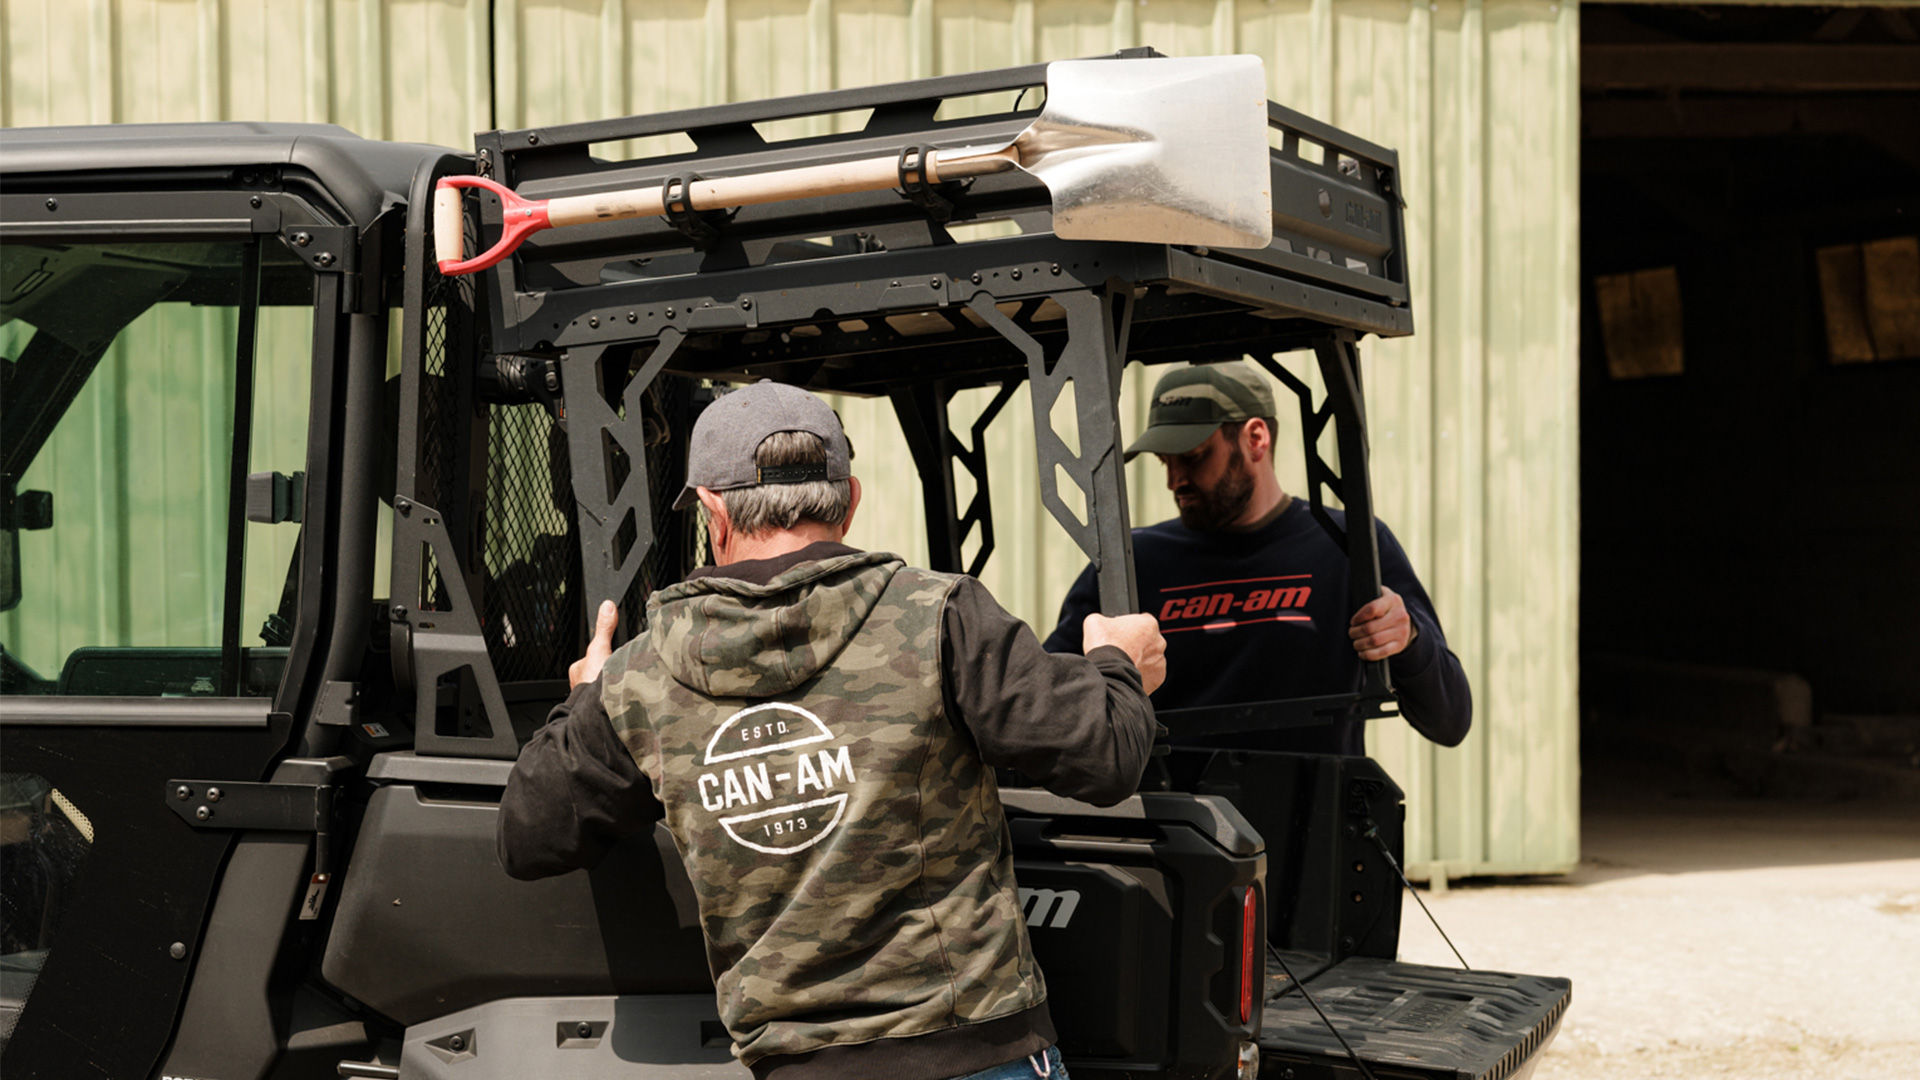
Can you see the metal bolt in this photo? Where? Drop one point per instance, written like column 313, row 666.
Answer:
column 1015, row 275
column 585, row 1030
column 325, row 258
column 593, row 321
column 301, row 239
column 669, row 313
column 933, row 283
column 632, row 318
column 1056, row 269
column 894, row 284
column 177, row 950
column 182, row 793
column 254, row 202
column 976, row 279
column 203, row 812
column 459, row 1042
column 746, row 303
column 1346, row 944
column 1356, row 897
column 399, row 612
column 533, row 138
column 53, row 204
column 1359, row 867
column 403, row 504
column 213, row 794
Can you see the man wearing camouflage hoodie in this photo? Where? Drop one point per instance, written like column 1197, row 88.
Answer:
column 818, row 726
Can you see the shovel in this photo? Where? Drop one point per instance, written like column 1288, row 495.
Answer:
column 1158, row 150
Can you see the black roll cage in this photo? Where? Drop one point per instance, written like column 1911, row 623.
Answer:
column 877, row 294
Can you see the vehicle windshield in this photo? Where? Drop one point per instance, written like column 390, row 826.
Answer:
column 120, row 368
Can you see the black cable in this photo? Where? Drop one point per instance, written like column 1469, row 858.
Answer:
column 1288, row 972
column 1373, row 834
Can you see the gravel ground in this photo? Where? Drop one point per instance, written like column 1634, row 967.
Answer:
column 1714, row 937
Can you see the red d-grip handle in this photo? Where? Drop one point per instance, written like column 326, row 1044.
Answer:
column 522, row 218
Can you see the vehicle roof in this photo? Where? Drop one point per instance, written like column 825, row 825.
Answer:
column 362, row 174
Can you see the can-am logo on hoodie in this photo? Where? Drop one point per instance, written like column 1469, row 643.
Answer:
column 778, row 757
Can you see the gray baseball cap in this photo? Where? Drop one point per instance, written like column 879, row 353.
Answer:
column 1191, row 403
column 728, row 432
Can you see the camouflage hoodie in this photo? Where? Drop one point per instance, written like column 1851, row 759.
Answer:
column 845, row 840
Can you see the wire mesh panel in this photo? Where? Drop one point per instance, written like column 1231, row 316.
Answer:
column 533, row 616
column 438, row 477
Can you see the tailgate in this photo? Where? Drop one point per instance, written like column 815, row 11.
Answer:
column 1409, row 1020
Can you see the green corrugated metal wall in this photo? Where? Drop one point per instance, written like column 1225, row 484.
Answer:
column 1474, row 418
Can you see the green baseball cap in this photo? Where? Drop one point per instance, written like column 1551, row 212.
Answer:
column 1191, row 403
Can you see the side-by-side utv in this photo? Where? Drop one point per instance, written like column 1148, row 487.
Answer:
column 298, row 536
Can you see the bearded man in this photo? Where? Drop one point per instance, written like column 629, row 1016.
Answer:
column 1251, row 592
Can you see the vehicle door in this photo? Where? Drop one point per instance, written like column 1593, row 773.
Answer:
column 154, row 348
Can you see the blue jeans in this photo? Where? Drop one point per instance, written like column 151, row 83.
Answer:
column 1046, row 1065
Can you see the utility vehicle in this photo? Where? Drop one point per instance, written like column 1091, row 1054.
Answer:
column 298, row 537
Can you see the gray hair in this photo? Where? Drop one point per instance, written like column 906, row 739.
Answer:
column 766, row 507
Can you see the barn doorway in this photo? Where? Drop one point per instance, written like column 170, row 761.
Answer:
column 1750, row 398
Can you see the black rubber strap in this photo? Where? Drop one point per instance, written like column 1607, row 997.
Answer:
column 912, row 170
column 676, row 197
column 676, row 205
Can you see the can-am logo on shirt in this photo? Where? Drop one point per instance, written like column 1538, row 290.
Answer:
column 1215, row 606
column 772, row 754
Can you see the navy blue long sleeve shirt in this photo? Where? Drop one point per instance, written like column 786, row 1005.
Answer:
column 1258, row 615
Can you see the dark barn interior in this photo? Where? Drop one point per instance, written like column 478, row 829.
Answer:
column 1750, row 378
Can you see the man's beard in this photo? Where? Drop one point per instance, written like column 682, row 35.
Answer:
column 1213, row 511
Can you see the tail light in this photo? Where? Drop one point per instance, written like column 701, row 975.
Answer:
column 1248, row 947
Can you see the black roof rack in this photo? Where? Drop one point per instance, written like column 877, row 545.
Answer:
column 838, row 292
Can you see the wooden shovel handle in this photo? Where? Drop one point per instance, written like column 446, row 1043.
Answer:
column 806, row 182
column 524, row 217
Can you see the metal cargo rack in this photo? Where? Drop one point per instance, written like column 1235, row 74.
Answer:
column 922, row 292
column 1337, row 258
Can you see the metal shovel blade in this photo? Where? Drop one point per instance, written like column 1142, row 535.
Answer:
column 1164, row 151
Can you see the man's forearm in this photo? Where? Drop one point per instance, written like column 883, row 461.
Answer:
column 1129, row 715
column 574, row 791
column 1079, row 726
column 1434, row 695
